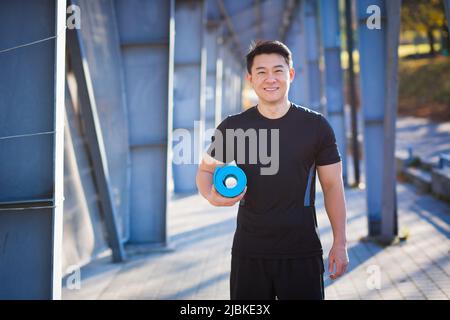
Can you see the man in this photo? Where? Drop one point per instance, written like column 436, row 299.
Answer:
column 276, row 248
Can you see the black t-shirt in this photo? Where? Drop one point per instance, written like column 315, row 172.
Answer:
column 277, row 218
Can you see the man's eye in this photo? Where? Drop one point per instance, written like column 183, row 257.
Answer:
column 279, row 71
column 261, row 72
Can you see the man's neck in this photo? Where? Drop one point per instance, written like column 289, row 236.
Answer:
column 274, row 110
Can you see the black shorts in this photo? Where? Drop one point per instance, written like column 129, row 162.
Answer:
column 269, row 279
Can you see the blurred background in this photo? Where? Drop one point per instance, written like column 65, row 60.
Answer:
column 97, row 97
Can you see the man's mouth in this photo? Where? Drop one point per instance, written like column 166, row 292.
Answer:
column 271, row 89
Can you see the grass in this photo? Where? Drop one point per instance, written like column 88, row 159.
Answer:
column 403, row 51
column 424, row 88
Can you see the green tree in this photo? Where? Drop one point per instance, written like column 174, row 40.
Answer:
column 424, row 17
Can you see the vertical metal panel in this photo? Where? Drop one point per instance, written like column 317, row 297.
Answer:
column 58, row 147
column 26, row 263
column 310, row 14
column 31, row 148
column 101, row 41
column 84, row 236
column 352, row 89
column 145, row 92
column 236, row 86
column 372, row 75
column 145, row 182
column 145, row 35
column 187, row 91
column 203, row 78
column 143, row 21
column 94, row 136
column 20, row 157
column 299, row 92
column 227, row 86
column 389, row 223
column 333, row 74
column 211, row 45
column 377, row 55
column 238, row 74
column 219, row 79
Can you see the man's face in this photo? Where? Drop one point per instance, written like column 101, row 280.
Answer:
column 270, row 77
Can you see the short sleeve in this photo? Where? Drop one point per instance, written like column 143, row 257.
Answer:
column 327, row 151
column 217, row 148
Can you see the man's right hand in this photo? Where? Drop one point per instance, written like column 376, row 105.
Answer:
column 216, row 199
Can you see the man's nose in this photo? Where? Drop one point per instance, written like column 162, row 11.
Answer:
column 271, row 78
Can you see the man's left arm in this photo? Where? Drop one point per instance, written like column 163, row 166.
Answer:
column 330, row 177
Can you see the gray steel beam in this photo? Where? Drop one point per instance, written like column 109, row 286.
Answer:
column 32, row 64
column 104, row 57
column 289, row 10
column 211, row 40
column 95, row 140
column 352, row 90
column 227, row 83
column 329, row 16
column 258, row 17
column 234, row 85
column 188, row 94
column 299, row 92
column 252, row 32
column 211, row 44
column 389, row 224
column 146, row 33
column 238, row 85
column 378, row 61
column 219, row 78
column 236, row 9
column 310, row 15
column 230, row 26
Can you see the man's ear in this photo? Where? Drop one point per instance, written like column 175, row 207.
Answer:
column 249, row 78
column 291, row 74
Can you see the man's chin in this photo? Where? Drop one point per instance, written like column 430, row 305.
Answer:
column 270, row 100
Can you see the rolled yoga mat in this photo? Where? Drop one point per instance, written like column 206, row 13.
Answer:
column 221, row 174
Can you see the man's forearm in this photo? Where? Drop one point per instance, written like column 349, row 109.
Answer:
column 336, row 211
column 204, row 182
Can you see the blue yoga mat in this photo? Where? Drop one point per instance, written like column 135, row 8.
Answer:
column 223, row 173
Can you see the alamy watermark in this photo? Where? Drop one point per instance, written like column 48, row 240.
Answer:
column 74, row 20
column 373, row 282
column 236, row 144
column 73, row 278
column 374, row 20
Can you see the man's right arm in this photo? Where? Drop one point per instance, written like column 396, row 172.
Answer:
column 205, row 184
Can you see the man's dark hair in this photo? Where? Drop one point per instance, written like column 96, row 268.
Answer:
column 267, row 47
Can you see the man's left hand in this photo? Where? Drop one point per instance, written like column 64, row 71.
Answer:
column 337, row 261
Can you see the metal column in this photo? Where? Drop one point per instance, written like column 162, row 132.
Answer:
column 218, row 94
column 227, row 82
column 32, row 64
column 95, row 140
column 106, row 73
column 211, row 44
column 298, row 92
column 146, row 37
column 378, row 60
column 310, row 15
column 329, row 16
column 352, row 90
column 188, row 99
column 236, row 85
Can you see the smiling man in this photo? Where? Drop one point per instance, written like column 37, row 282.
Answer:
column 276, row 250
